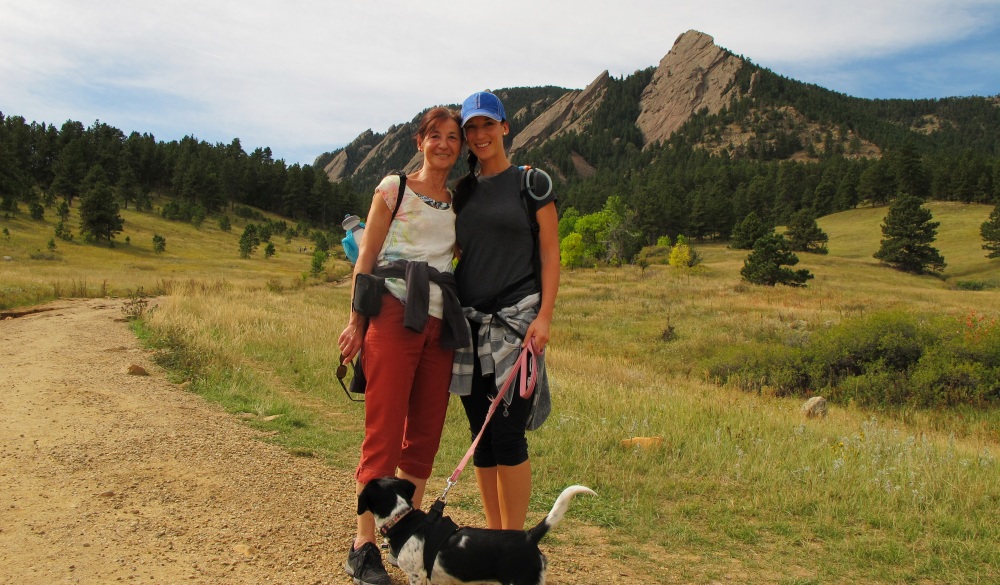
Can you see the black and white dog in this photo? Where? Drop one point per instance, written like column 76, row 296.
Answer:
column 433, row 550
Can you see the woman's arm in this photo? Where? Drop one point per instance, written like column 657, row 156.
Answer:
column 548, row 249
column 376, row 228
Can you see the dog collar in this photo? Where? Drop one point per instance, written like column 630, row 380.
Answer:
column 392, row 522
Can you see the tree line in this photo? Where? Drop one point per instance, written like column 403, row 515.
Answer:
column 40, row 164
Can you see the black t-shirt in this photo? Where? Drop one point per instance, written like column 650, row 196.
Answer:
column 494, row 234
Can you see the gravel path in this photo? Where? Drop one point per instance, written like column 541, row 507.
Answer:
column 114, row 477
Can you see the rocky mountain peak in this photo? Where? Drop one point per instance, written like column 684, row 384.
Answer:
column 694, row 74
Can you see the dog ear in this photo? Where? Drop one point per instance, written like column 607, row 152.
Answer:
column 363, row 497
column 409, row 489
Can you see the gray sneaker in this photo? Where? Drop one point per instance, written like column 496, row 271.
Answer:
column 365, row 566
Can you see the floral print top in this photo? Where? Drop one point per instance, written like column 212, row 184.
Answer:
column 422, row 231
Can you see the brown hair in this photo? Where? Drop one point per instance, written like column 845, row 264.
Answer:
column 466, row 185
column 433, row 117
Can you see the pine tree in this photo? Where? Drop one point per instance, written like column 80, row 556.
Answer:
column 63, row 211
column 14, row 184
column 910, row 173
column 748, row 231
column 62, row 232
column 990, row 230
column 765, row 264
column 128, row 187
column 909, row 232
column 98, row 208
column 249, row 241
column 877, row 183
column 805, row 235
column 318, row 260
column 70, row 169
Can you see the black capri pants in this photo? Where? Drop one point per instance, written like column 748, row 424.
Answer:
column 504, row 441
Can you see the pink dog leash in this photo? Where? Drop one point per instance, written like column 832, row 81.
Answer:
column 527, row 364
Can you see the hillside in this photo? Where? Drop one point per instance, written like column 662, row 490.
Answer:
column 206, row 256
column 855, row 236
column 203, row 256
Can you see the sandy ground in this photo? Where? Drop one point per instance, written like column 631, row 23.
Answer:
column 108, row 477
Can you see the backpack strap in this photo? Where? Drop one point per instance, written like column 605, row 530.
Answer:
column 399, row 196
column 530, row 203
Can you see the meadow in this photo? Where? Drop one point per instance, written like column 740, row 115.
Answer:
column 742, row 486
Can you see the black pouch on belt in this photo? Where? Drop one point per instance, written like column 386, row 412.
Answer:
column 368, row 291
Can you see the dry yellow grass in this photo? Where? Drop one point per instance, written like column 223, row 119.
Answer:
column 195, row 257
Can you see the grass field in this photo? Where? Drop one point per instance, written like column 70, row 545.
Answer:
column 742, row 487
column 194, row 257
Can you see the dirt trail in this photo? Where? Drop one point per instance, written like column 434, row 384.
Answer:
column 108, row 477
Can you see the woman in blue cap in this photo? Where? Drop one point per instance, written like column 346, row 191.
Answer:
column 507, row 283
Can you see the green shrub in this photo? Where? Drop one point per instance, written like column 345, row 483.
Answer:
column 972, row 285
column 655, row 254
column 872, row 389
column 979, row 339
column 884, row 341
column 887, row 359
column 939, row 381
column 175, row 210
column 247, row 212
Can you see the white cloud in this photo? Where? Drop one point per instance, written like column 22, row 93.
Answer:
column 306, row 76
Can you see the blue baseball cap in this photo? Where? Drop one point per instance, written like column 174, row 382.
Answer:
column 482, row 103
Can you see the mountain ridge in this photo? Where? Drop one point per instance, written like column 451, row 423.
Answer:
column 695, row 79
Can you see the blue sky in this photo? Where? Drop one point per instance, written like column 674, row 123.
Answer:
column 304, row 77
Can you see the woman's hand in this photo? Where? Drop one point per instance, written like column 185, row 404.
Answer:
column 351, row 337
column 539, row 331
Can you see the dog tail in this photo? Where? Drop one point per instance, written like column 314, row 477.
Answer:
column 558, row 511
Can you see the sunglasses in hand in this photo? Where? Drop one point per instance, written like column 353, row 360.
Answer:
column 341, row 374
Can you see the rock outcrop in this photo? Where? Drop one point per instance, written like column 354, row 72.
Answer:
column 336, row 168
column 694, row 74
column 394, row 139
column 339, row 167
column 572, row 112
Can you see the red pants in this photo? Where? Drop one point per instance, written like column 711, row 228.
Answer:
column 406, row 398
